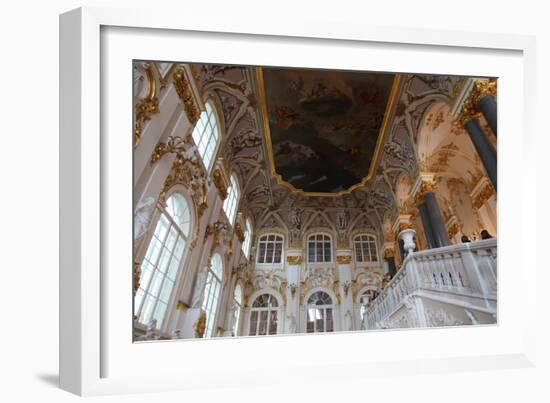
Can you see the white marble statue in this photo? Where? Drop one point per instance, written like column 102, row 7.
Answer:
column 291, row 323
column 348, row 320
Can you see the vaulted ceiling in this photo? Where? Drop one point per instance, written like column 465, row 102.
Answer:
column 328, row 127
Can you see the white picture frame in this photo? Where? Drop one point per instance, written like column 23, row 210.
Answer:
column 96, row 353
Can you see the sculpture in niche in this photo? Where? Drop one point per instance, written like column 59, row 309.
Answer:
column 291, row 323
column 342, row 219
column 348, row 320
column 296, row 218
column 142, row 216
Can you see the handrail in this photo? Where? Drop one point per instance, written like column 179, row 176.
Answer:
column 466, row 268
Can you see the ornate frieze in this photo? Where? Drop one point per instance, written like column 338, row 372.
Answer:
column 343, row 259
column 294, row 260
column 239, row 232
column 482, row 196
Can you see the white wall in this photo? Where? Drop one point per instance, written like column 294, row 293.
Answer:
column 29, row 106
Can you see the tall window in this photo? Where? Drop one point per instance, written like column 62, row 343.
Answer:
column 365, row 248
column 206, row 135
column 320, row 313
column 319, row 248
column 212, row 291
column 238, row 307
column 270, row 249
column 162, row 261
column 263, row 316
column 247, row 237
column 231, row 201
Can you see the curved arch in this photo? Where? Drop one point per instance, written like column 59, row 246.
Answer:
column 311, row 291
column 207, row 134
column 362, row 291
column 164, row 260
column 403, row 186
column 271, row 291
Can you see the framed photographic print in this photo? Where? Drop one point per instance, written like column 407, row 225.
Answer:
column 314, row 197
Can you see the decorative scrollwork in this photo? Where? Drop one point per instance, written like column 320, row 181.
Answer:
column 186, row 95
column 146, row 107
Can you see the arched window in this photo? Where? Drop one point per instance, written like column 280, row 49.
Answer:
column 237, row 308
column 319, row 248
column 212, row 291
column 232, row 199
column 365, row 248
column 162, row 261
column 320, row 313
column 270, row 249
column 206, row 135
column 263, row 316
column 247, row 237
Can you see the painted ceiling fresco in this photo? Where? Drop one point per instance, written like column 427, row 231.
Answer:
column 324, row 125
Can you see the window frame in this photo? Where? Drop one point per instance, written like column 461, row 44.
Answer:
column 266, row 242
column 323, row 248
column 231, row 202
column 162, row 212
column 211, row 115
column 212, row 312
column 320, row 307
column 373, row 240
column 247, row 243
column 269, row 309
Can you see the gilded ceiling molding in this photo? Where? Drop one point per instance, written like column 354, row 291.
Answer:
column 383, row 136
column 146, row 107
column 186, row 95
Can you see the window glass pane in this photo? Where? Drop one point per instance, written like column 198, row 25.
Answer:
column 273, row 322
column 166, row 290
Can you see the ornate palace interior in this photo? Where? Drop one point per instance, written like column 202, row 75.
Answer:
column 284, row 200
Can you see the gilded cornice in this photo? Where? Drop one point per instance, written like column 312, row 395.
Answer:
column 382, row 137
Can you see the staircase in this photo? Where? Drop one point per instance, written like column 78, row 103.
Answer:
column 450, row 286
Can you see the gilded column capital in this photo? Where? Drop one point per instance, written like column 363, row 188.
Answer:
column 294, row 259
column 389, row 252
column 469, row 108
